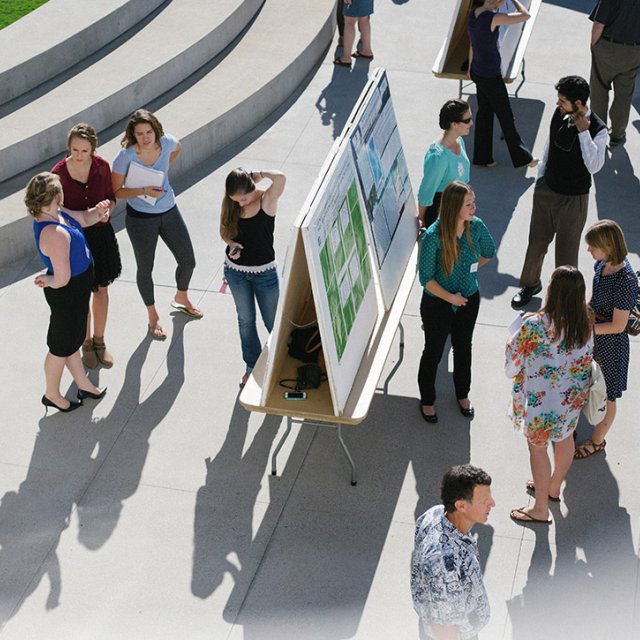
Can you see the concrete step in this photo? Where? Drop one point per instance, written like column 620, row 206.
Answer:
column 226, row 102
column 182, row 38
column 58, row 35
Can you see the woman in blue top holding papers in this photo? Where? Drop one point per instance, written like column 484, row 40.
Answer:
column 141, row 176
column 452, row 250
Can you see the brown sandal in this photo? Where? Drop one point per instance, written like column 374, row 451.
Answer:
column 588, row 448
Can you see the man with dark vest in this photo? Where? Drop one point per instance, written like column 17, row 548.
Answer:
column 615, row 60
column 574, row 152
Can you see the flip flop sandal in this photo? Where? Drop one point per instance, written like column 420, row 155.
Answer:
column 527, row 519
column 357, row 54
column 582, row 451
column 192, row 312
column 531, row 490
column 339, row 63
column 157, row 336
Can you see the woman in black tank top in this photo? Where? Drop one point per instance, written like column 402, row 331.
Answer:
column 247, row 222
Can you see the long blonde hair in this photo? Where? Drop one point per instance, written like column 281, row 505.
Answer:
column 238, row 181
column 452, row 200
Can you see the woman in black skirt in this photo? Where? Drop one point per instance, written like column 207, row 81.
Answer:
column 67, row 284
column 86, row 181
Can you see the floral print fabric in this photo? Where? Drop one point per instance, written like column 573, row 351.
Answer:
column 550, row 382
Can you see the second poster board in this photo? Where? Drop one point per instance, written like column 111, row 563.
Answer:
column 359, row 234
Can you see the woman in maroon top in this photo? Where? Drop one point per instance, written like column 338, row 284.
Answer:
column 86, row 180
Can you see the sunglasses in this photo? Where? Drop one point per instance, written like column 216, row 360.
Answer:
column 466, row 120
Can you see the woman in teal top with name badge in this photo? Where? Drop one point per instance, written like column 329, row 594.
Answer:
column 452, row 250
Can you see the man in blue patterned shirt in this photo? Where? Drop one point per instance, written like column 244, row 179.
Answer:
column 446, row 579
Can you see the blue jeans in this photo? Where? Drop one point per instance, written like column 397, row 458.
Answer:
column 246, row 288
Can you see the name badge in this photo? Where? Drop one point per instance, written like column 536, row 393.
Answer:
column 473, row 268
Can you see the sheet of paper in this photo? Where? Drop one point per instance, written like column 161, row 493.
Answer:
column 141, row 176
column 515, row 325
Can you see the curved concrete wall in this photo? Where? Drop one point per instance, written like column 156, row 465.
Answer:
column 59, row 34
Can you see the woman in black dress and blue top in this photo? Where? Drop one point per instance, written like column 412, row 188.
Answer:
column 614, row 294
column 152, row 213
column 485, row 71
column 452, row 249
column 67, row 284
column 247, row 223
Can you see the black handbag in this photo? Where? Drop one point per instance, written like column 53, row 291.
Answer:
column 309, row 376
column 305, row 344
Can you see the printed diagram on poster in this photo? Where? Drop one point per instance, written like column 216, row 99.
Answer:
column 383, row 176
column 351, row 249
column 341, row 272
column 345, row 266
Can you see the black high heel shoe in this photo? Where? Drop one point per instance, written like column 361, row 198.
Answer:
column 73, row 405
column 83, row 395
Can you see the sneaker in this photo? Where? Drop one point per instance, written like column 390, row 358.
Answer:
column 523, row 297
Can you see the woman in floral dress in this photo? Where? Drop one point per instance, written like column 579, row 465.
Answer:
column 549, row 359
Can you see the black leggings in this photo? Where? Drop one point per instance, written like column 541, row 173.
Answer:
column 144, row 231
column 439, row 320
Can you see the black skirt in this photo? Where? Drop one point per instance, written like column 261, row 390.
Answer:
column 106, row 254
column 69, row 308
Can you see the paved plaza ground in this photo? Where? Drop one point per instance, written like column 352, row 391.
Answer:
column 153, row 514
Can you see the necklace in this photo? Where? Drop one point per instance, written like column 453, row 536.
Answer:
column 50, row 215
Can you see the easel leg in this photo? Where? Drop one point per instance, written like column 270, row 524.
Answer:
column 354, row 476
column 523, row 78
column 281, row 442
column 385, row 387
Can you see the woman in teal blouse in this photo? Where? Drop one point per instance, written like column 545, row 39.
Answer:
column 446, row 159
column 452, row 250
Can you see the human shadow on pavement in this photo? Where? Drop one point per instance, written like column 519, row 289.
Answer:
column 329, row 539
column 118, row 479
column 617, row 190
column 33, row 518
column 591, row 593
column 499, row 190
column 226, row 504
column 337, row 99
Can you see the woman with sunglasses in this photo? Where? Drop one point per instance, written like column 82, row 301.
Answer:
column 446, row 159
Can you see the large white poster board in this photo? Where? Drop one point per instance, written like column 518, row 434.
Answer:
column 341, row 274
column 383, row 176
column 350, row 250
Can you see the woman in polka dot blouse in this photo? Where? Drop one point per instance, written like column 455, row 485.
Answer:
column 452, row 250
column 614, row 294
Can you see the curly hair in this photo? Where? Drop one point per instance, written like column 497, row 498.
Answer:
column 40, row 192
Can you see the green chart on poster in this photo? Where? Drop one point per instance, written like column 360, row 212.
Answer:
column 345, row 267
